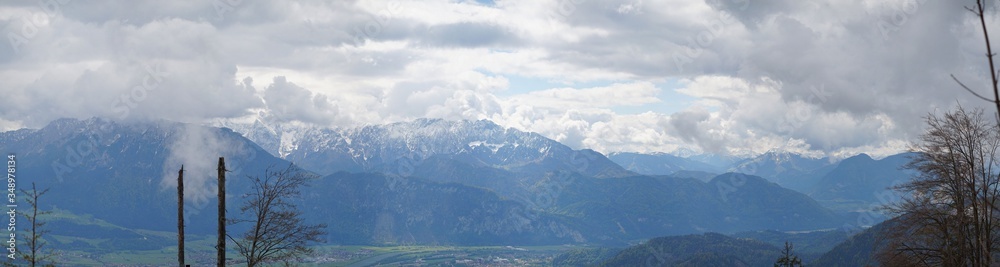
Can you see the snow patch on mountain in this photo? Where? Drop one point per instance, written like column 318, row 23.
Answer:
column 376, row 147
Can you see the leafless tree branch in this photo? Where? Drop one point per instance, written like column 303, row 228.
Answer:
column 970, row 90
column 278, row 231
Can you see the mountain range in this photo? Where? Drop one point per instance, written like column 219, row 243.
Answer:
column 389, row 147
column 427, row 181
column 854, row 184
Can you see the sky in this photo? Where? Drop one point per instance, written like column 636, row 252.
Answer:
column 734, row 77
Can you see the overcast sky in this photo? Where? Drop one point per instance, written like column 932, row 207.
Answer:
column 827, row 77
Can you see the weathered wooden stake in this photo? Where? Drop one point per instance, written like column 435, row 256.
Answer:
column 221, row 246
column 180, row 217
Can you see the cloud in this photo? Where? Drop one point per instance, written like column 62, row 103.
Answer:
column 288, row 102
column 687, row 126
column 467, row 105
column 197, row 149
column 469, row 34
column 597, row 97
column 728, row 76
column 163, row 69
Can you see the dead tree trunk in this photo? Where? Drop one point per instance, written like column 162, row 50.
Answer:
column 180, row 217
column 221, row 246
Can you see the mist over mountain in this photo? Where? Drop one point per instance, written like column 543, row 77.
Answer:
column 801, row 173
column 662, row 163
column 788, row 169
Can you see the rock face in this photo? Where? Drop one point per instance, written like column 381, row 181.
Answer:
column 397, row 147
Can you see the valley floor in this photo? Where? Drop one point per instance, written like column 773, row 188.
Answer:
column 339, row 256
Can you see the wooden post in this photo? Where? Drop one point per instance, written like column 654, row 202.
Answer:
column 180, row 216
column 221, row 246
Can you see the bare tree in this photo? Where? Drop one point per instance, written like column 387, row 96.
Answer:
column 278, row 232
column 37, row 253
column 948, row 215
